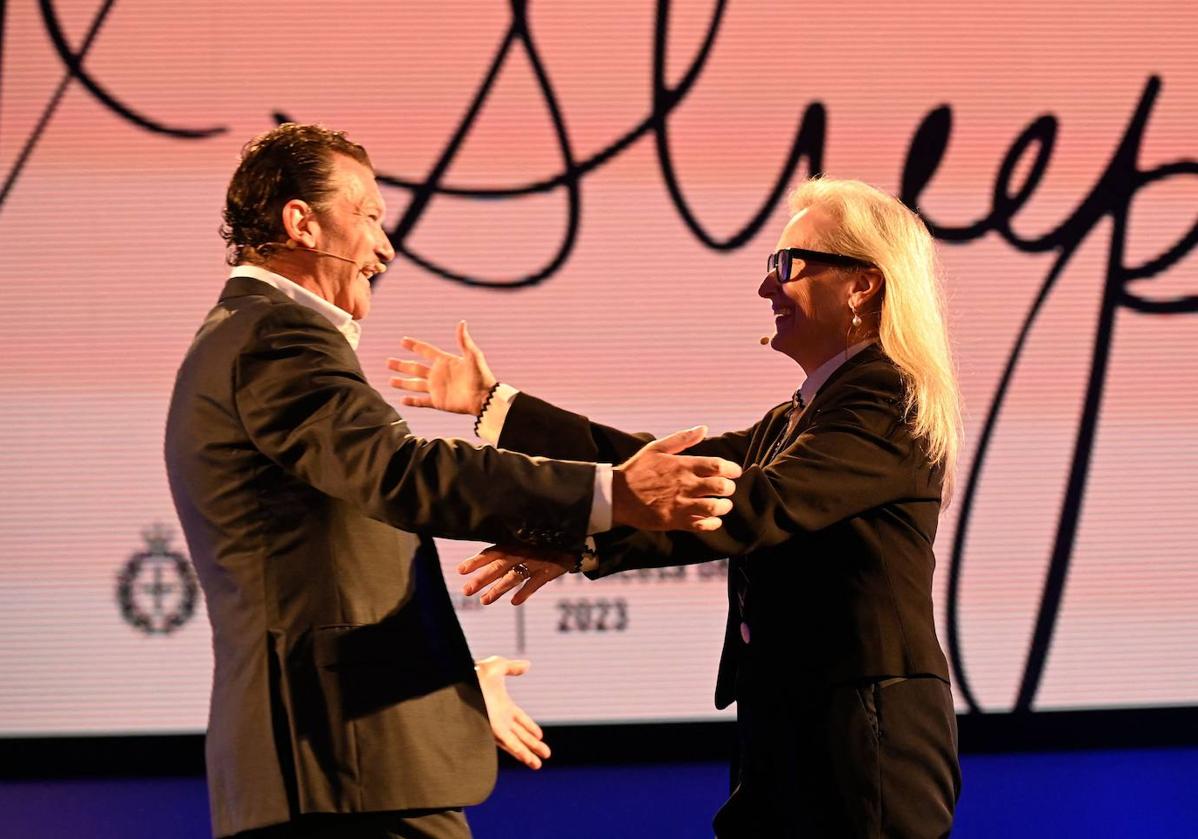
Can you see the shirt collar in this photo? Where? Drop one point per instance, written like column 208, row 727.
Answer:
column 816, row 379
column 342, row 320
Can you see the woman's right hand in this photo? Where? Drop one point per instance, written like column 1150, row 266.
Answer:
column 458, row 384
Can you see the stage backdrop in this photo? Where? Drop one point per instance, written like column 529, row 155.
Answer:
column 595, row 186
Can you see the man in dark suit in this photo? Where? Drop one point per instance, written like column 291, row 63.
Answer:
column 345, row 702
column 845, row 718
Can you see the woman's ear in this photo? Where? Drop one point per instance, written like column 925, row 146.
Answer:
column 865, row 294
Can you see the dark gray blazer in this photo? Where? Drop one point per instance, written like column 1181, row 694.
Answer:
column 831, row 536
column 342, row 680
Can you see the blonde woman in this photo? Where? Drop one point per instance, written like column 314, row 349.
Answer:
column 845, row 718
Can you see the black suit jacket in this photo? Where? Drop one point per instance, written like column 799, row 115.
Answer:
column 833, row 534
column 342, row 680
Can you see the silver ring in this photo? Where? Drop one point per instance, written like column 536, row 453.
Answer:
column 522, row 569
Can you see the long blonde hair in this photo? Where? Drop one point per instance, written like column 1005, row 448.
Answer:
column 912, row 326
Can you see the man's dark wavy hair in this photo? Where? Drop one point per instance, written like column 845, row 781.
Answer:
column 290, row 161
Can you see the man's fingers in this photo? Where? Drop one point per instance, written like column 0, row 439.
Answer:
column 706, row 525
column 422, row 348
column 704, row 507
column 518, row 666
column 419, row 385
column 533, row 743
column 529, row 724
column 512, row 745
column 418, row 401
column 679, row 440
column 711, row 486
column 709, row 467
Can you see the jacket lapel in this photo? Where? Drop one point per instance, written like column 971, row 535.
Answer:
column 780, row 432
column 869, row 354
column 772, row 428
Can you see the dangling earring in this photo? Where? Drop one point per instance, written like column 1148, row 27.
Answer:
column 856, row 317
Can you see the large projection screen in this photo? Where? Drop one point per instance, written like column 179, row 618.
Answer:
column 595, row 189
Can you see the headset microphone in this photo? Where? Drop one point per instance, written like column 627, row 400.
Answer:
column 332, row 255
column 292, row 245
column 377, row 268
column 765, row 339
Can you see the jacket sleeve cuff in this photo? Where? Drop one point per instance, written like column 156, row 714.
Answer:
column 490, row 422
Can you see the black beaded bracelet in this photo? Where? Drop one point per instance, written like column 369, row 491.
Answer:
column 581, row 557
column 486, row 404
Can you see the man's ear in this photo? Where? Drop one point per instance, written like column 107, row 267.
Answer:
column 299, row 222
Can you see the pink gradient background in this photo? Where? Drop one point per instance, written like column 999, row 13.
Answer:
column 111, row 259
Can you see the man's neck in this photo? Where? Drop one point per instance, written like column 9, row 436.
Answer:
column 292, row 269
column 341, row 319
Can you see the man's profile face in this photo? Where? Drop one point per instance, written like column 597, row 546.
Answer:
column 350, row 225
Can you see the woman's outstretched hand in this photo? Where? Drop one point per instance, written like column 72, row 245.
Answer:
column 458, row 384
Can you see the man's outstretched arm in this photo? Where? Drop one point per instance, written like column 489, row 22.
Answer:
column 307, row 406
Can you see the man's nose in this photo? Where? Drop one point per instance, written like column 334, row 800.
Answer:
column 385, row 252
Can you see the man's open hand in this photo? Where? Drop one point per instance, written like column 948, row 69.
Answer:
column 657, row 489
column 515, row 731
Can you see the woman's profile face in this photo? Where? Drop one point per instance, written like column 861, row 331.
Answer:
column 811, row 313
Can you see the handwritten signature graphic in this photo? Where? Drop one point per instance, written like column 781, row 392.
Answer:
column 1111, row 197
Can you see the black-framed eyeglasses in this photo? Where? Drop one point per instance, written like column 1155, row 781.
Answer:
column 783, row 261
